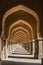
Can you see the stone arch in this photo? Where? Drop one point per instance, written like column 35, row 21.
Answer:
column 20, row 27
column 17, row 8
column 20, row 36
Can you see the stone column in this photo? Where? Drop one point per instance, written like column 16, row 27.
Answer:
column 33, row 44
column 10, row 47
column 40, row 41
column 30, row 47
column 7, row 49
column 3, row 49
column 0, row 48
column 40, row 47
column 36, row 49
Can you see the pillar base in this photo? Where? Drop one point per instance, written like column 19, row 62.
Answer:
column 36, row 55
column 40, row 56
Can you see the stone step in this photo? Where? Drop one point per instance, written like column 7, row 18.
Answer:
column 23, row 60
column 20, row 56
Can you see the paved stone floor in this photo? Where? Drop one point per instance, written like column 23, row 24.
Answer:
column 16, row 63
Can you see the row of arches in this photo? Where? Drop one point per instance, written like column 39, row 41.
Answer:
column 32, row 25
column 20, row 25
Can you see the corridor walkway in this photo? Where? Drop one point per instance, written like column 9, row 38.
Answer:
column 17, row 63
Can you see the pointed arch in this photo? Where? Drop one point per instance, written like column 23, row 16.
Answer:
column 23, row 22
column 20, row 35
column 20, row 27
column 26, row 32
column 17, row 8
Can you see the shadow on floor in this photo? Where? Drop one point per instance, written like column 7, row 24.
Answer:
column 16, row 63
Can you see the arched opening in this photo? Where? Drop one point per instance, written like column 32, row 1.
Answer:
column 18, row 9
column 16, row 19
column 20, row 24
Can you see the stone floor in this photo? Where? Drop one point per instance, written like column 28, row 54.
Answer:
column 17, row 63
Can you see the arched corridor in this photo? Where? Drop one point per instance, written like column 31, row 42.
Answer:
column 20, row 35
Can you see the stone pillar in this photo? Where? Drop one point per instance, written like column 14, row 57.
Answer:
column 10, row 47
column 36, row 49
column 27, row 46
column 0, row 48
column 13, row 47
column 40, row 41
column 40, row 47
column 7, row 49
column 33, row 43
column 30, row 47
column 3, row 49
